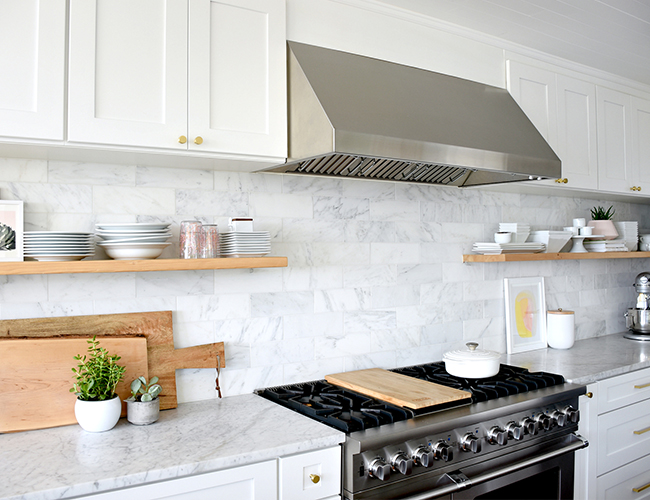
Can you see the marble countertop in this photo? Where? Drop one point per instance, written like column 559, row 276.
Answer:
column 588, row 360
column 194, row 438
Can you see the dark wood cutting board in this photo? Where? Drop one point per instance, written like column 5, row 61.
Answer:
column 156, row 327
column 396, row 388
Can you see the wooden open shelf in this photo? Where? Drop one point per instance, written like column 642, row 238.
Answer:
column 522, row 257
column 134, row 266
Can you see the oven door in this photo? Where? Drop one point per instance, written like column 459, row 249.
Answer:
column 542, row 473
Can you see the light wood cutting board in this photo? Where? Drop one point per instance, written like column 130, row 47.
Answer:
column 396, row 388
column 36, row 377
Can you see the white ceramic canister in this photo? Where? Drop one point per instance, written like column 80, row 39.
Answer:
column 560, row 329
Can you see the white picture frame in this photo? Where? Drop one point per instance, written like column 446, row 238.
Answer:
column 12, row 216
column 525, row 314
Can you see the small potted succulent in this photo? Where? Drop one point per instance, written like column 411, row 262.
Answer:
column 602, row 222
column 98, row 407
column 143, row 406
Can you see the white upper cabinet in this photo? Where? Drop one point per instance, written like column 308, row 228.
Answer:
column 127, row 72
column 564, row 111
column 32, row 69
column 139, row 77
column 640, row 110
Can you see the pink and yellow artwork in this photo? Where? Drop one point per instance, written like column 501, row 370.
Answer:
column 524, row 309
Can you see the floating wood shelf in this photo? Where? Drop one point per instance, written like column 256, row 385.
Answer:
column 522, row 257
column 134, row 266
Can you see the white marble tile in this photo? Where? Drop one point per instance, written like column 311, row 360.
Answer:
column 313, row 370
column 478, row 330
column 313, row 325
column 468, row 233
column 317, row 186
column 337, row 254
column 402, row 211
column 191, row 333
column 178, row 178
column 334, row 347
column 309, row 230
column 462, row 272
column 442, row 333
column 362, row 321
column 369, row 231
column 131, row 200
column 395, row 296
column 197, row 385
column 40, row 221
column 376, row 275
column 393, row 340
column 245, row 182
column 117, row 305
column 153, row 284
column 213, row 307
column 433, row 211
column 215, row 203
column 274, row 303
column 418, row 274
column 418, row 315
column 418, row 232
column 23, row 310
column 250, row 330
column 374, row 190
column 22, row 170
column 384, row 360
column 473, row 214
column 62, row 287
column 419, row 355
column 280, row 205
column 340, row 208
column 394, row 253
column 237, row 356
column 489, row 289
column 245, row 280
column 312, row 278
column 67, row 172
column 272, row 353
column 442, row 293
column 50, row 198
column 28, row 288
column 342, row 299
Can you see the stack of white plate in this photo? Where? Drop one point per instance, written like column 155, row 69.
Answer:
column 520, row 231
column 499, row 248
column 54, row 246
column 138, row 240
column 629, row 232
column 244, row 244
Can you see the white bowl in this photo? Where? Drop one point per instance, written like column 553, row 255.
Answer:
column 554, row 240
column 133, row 251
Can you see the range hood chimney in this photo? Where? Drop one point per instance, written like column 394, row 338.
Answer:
column 357, row 117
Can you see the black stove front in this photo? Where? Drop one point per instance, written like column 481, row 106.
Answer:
column 349, row 411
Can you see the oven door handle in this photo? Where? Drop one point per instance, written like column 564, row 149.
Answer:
column 461, row 482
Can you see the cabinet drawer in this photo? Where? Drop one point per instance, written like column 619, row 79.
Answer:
column 623, row 390
column 622, row 483
column 298, row 475
column 623, row 436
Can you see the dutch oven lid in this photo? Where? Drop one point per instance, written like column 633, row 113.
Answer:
column 471, row 354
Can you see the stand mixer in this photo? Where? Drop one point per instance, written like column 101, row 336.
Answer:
column 637, row 318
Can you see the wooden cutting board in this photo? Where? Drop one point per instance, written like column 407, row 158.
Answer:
column 36, row 377
column 396, row 388
column 156, row 327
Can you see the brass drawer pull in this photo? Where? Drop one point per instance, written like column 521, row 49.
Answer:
column 315, row 478
column 642, row 386
column 639, row 490
column 642, row 431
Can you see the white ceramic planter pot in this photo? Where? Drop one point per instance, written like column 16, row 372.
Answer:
column 142, row 413
column 98, row 416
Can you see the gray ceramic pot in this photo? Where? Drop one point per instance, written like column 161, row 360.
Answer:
column 142, row 413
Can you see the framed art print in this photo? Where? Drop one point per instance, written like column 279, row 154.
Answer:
column 525, row 314
column 11, row 231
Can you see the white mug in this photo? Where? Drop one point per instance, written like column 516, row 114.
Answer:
column 586, row 231
column 579, row 222
column 572, row 229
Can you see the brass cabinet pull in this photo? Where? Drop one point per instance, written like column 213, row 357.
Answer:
column 198, row 140
column 590, row 395
column 182, row 139
column 642, row 431
column 562, row 181
column 636, row 188
column 642, row 386
column 639, row 490
column 315, row 478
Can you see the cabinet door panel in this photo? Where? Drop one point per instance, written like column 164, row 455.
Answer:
column 128, row 66
column 627, row 483
column 32, row 71
column 623, row 390
column 613, row 141
column 237, row 96
column 577, row 136
column 641, row 142
column 296, row 473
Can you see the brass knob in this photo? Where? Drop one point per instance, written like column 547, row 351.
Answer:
column 590, row 395
column 562, row 181
column 182, row 139
column 315, row 478
column 636, row 188
column 198, row 140
column 565, row 180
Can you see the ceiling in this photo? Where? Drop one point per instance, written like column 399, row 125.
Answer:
column 610, row 35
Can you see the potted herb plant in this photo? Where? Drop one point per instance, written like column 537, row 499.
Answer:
column 602, row 222
column 97, row 407
column 143, row 406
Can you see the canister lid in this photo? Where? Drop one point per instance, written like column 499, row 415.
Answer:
column 560, row 311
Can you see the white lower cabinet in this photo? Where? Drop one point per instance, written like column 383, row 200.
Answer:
column 315, row 475
column 616, row 422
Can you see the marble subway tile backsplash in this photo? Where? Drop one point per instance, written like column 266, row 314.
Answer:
column 375, row 276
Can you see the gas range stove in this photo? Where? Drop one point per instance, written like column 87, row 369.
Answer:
column 515, row 417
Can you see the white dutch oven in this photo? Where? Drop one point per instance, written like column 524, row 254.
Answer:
column 472, row 362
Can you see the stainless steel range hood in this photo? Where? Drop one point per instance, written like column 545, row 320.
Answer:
column 354, row 116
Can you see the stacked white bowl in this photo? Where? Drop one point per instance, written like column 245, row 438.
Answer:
column 134, row 241
column 53, row 246
column 628, row 231
column 244, row 244
column 520, row 231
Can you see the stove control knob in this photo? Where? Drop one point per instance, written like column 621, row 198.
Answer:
column 379, row 469
column 470, row 442
column 572, row 415
column 558, row 418
column 423, row 456
column 496, row 435
column 515, row 431
column 543, row 421
column 529, row 425
column 443, row 451
column 402, row 463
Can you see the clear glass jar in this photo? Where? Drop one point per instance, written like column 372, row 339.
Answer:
column 210, row 241
column 190, row 240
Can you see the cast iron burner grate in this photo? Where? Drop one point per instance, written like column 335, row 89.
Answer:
column 510, row 380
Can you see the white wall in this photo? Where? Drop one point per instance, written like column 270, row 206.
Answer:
column 374, row 279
